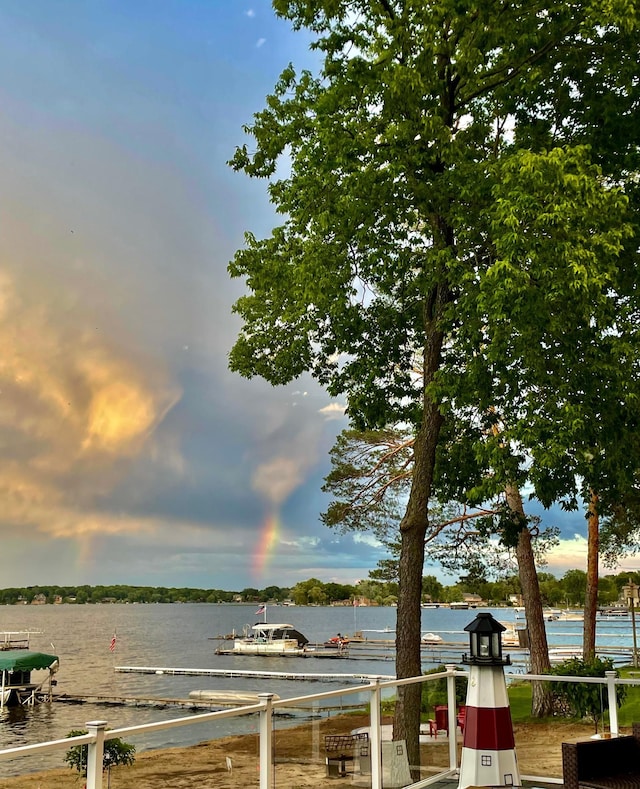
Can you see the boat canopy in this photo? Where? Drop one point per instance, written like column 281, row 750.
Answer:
column 276, row 631
column 269, row 626
column 25, row 660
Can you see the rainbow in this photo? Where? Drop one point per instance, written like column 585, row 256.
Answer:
column 266, row 543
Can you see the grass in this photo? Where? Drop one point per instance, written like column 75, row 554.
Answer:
column 520, row 702
column 628, row 713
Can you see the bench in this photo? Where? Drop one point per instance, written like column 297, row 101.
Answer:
column 341, row 749
column 603, row 764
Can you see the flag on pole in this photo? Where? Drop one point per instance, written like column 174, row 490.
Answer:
column 112, row 645
column 261, row 609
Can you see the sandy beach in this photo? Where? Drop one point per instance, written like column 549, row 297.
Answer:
column 299, row 761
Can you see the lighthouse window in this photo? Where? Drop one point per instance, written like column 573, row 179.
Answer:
column 484, row 646
column 508, row 779
column 485, row 761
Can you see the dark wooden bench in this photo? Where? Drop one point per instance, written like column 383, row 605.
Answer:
column 603, row 764
column 341, row 749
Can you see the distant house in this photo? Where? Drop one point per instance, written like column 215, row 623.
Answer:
column 39, row 599
column 473, row 600
column 363, row 601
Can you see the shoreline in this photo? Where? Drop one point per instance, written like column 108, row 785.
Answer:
column 298, row 760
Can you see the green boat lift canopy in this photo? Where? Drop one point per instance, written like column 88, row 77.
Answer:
column 25, row 660
column 16, row 686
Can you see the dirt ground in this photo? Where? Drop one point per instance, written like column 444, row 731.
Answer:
column 299, row 760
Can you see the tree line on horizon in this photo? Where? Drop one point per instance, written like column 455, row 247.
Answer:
column 569, row 590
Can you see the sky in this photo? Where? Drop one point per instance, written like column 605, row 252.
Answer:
column 130, row 454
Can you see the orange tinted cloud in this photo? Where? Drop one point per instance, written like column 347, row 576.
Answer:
column 74, row 403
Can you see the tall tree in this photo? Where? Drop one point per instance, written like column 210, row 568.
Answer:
column 438, row 217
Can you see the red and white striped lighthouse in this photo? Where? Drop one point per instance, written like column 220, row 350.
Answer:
column 488, row 750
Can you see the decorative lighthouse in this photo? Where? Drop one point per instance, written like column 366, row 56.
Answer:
column 488, row 749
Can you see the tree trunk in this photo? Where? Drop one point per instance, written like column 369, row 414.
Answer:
column 413, row 529
column 541, row 702
column 406, row 724
column 591, row 595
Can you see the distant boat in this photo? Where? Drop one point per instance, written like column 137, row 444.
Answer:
column 227, row 697
column 613, row 612
column 431, row 638
column 338, row 642
column 459, row 606
column 570, row 616
column 431, row 605
column 510, row 636
column 559, row 654
column 269, row 639
column 383, row 630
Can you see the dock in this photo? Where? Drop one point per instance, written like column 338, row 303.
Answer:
column 194, row 704
column 248, row 674
column 134, row 701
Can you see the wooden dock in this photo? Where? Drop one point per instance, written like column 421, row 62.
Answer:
column 193, row 704
column 134, row 701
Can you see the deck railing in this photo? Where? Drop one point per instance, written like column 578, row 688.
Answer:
column 98, row 733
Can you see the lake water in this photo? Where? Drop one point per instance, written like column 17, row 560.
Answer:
column 183, row 636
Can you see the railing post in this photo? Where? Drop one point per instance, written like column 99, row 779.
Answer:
column 95, row 753
column 452, row 714
column 266, row 742
column 375, row 735
column 613, row 702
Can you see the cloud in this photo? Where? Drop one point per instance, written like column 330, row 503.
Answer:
column 367, row 539
column 333, row 411
column 260, row 42
column 75, row 410
column 277, row 478
column 289, row 447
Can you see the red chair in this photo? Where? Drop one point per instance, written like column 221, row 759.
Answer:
column 462, row 717
column 442, row 717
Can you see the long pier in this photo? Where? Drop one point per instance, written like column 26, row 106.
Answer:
column 248, row 674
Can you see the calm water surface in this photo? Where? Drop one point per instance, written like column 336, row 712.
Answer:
column 183, row 636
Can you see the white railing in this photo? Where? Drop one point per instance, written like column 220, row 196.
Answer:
column 98, row 733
